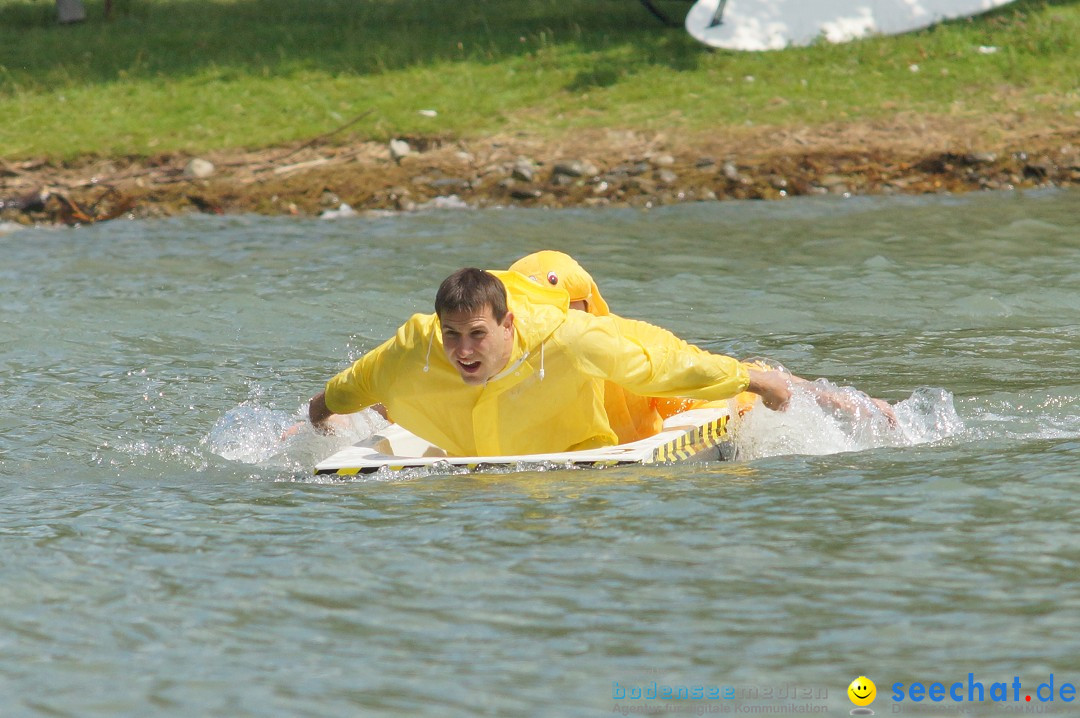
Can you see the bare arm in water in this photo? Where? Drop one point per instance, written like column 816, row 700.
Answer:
column 841, row 401
column 325, row 421
column 774, row 388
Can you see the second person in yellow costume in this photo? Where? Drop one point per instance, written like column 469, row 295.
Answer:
column 636, row 417
column 632, row 417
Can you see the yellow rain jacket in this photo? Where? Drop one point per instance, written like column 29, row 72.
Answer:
column 549, row 398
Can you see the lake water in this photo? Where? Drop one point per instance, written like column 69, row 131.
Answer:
column 164, row 553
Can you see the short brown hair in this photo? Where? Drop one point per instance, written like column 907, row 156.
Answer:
column 471, row 290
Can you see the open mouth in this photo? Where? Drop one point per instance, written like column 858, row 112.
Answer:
column 469, row 367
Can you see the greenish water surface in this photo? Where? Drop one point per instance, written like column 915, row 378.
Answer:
column 164, row 553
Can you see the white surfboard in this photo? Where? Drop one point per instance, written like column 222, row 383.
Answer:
column 776, row 24
column 699, row 434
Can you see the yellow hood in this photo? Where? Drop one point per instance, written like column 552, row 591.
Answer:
column 530, row 301
column 555, row 269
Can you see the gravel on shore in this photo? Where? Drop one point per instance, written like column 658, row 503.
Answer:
column 591, row 169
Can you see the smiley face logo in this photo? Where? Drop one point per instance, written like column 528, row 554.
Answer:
column 862, row 691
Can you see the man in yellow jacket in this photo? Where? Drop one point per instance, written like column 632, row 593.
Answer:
column 503, row 367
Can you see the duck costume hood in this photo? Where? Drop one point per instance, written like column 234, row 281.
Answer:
column 562, row 271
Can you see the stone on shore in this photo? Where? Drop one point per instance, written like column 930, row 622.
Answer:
column 666, row 176
column 399, row 149
column 575, row 168
column 525, row 193
column 199, row 168
column 524, row 170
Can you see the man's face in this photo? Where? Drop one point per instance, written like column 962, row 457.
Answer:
column 478, row 346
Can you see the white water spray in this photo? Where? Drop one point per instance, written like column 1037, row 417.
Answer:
column 851, row 422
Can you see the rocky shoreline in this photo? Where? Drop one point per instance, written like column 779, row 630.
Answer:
column 591, row 169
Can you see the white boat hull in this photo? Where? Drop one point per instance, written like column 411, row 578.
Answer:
column 776, row 24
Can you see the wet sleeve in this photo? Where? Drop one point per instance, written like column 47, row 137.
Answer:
column 357, row 387
column 651, row 361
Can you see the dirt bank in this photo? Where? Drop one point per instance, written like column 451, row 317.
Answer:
column 907, row 155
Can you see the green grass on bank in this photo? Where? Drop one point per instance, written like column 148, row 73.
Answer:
column 195, row 75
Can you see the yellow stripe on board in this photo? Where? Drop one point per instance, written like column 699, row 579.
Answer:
column 693, row 442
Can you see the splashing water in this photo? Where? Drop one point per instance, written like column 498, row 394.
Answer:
column 253, row 434
column 807, row 427
column 249, row 434
column 928, row 415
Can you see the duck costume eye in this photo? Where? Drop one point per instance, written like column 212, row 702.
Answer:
column 553, row 278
